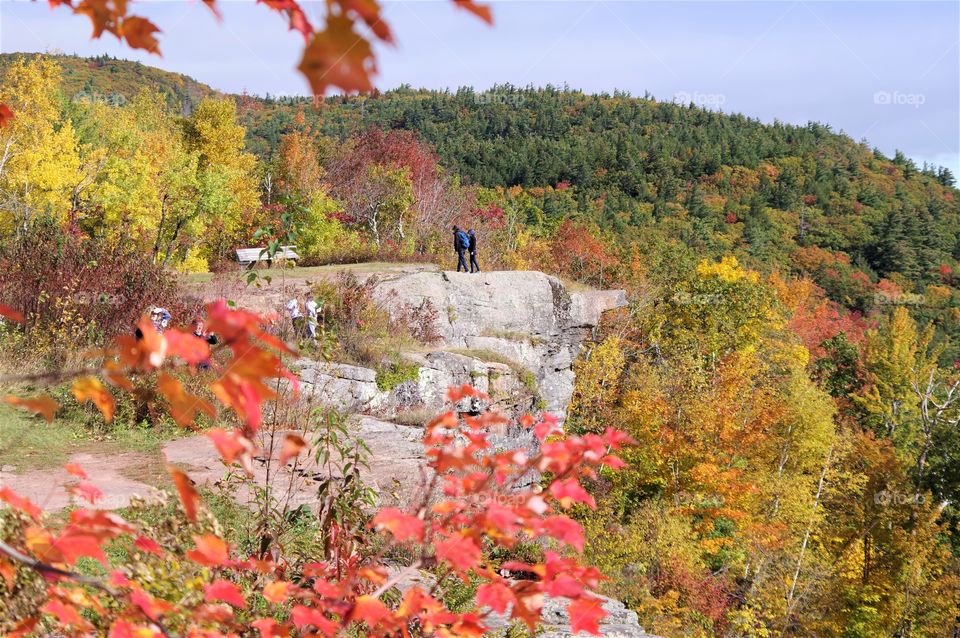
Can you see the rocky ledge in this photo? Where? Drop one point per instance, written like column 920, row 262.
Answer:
column 511, row 334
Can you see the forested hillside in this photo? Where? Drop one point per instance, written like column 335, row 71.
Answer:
column 788, row 364
column 116, row 81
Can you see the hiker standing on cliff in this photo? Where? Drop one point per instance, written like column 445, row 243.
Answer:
column 472, row 246
column 460, row 244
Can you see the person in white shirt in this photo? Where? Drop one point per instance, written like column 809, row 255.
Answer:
column 296, row 317
column 312, row 313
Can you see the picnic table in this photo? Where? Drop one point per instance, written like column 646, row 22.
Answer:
column 250, row 257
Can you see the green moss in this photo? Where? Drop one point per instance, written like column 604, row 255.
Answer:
column 393, row 374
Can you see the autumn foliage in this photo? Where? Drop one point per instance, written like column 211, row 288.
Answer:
column 472, row 502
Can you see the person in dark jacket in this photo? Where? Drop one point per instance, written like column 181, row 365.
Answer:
column 460, row 244
column 472, row 247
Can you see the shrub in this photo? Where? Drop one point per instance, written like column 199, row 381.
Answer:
column 365, row 329
column 76, row 291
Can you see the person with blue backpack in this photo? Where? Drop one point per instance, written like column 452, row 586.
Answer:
column 472, row 248
column 460, row 244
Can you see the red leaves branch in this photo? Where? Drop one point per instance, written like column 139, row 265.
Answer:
column 474, row 499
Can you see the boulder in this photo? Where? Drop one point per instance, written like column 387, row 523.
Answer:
column 620, row 622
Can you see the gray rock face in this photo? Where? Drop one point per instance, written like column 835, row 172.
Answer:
column 346, row 388
column 555, row 622
column 396, row 469
column 512, row 335
column 528, row 318
column 620, row 623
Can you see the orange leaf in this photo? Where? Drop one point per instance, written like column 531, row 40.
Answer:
column 66, row 614
column 152, row 607
column 211, row 551
column 7, row 311
column 74, row 546
column 298, row 19
column 338, row 56
column 277, row 592
column 184, row 407
column 21, row 503
column 212, row 5
column 569, row 491
column 224, row 591
column 304, row 616
column 270, row 628
column 124, row 629
column 146, row 351
column 88, row 491
column 90, row 389
column 23, row 627
column 9, row 573
column 42, row 405
column 369, row 610
column 231, row 446
column 138, row 33
column 497, row 596
column 188, row 493
column 460, row 551
column 292, row 445
column 148, row 545
column 75, row 470
column 187, row 346
column 482, row 11
column 585, row 615
column 41, row 544
column 402, row 526
column 369, row 11
column 565, row 529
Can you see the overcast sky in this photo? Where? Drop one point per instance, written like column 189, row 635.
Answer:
column 885, row 71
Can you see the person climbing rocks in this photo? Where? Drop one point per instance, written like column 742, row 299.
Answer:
column 472, row 247
column 460, row 244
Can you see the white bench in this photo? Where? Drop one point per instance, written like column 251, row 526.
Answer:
column 250, row 257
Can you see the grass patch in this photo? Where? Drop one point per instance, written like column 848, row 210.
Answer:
column 393, row 374
column 511, row 335
column 525, row 376
column 30, row 443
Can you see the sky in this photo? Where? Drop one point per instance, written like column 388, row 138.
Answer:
column 887, row 72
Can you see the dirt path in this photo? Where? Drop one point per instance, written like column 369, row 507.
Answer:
column 396, row 455
column 275, row 286
column 114, row 474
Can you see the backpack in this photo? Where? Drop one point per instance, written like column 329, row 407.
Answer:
column 462, row 240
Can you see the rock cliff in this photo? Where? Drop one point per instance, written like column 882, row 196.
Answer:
column 514, row 335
